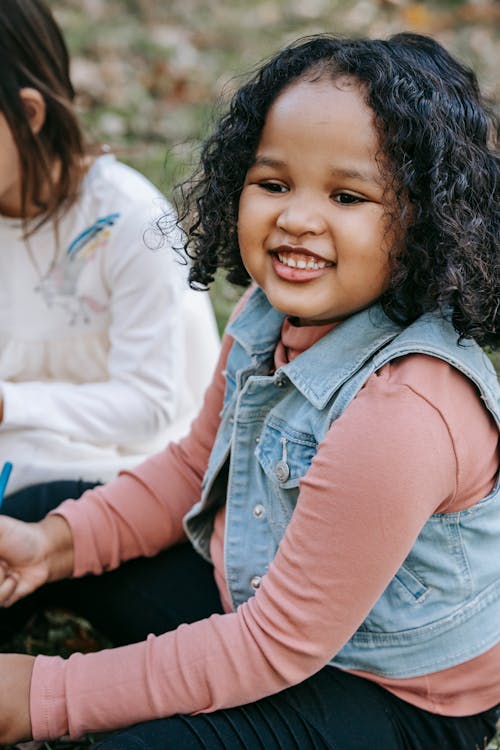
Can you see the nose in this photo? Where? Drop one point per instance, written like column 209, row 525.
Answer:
column 301, row 215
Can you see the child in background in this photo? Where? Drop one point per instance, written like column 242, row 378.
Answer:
column 100, row 363
column 316, row 564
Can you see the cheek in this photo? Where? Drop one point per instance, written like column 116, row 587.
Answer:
column 380, row 244
column 382, row 271
column 250, row 223
column 242, row 220
column 245, row 239
column 244, row 243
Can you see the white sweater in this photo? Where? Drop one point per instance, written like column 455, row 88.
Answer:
column 104, row 350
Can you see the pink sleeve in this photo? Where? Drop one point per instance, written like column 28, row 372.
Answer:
column 384, row 467
column 141, row 511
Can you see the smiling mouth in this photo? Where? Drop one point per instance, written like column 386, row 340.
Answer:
column 302, row 261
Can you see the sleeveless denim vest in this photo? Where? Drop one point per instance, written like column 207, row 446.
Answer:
column 443, row 605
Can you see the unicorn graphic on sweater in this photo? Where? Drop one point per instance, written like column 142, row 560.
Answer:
column 59, row 287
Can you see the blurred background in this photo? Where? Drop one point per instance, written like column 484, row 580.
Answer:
column 149, row 72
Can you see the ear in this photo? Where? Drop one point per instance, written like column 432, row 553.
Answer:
column 34, row 104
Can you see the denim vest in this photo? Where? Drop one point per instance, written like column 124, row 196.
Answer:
column 443, row 605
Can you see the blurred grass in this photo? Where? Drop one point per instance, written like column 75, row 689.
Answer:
column 495, row 358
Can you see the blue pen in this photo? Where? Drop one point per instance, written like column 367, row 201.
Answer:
column 4, row 478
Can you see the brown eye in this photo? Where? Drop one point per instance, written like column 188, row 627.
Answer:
column 347, row 199
column 273, row 187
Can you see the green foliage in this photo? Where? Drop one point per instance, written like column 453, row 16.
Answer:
column 495, row 358
column 224, row 296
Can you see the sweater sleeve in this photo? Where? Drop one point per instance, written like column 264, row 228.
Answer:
column 383, row 468
column 138, row 399
column 141, row 511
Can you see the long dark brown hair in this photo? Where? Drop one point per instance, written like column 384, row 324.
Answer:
column 33, row 54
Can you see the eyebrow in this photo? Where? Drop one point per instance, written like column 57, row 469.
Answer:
column 267, row 161
column 355, row 174
column 343, row 172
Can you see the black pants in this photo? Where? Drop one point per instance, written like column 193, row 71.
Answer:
column 332, row 710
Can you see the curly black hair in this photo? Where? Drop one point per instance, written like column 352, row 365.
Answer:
column 437, row 139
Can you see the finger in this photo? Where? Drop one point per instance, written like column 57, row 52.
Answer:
column 7, row 588
column 4, row 571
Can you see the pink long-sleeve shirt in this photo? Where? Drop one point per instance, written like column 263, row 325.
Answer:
column 416, row 440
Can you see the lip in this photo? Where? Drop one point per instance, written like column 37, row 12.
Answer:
column 295, row 273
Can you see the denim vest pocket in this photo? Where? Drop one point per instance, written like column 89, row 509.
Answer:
column 285, row 456
column 400, row 604
column 411, row 586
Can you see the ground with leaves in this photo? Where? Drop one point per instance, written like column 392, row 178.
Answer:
column 148, row 74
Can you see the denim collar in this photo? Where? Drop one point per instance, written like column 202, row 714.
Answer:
column 320, row 370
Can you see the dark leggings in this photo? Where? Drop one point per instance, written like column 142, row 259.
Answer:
column 332, row 710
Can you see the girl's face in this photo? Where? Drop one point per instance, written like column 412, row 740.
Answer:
column 10, row 172
column 312, row 227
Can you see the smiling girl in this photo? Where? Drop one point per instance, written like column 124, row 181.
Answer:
column 312, row 223
column 316, row 563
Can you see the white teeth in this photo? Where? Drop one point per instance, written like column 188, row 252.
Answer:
column 311, row 264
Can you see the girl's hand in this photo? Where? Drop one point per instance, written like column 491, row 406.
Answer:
column 15, row 680
column 32, row 554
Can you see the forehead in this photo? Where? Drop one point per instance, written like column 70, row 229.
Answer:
column 327, row 117
column 322, row 102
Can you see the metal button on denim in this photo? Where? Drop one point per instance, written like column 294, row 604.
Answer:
column 282, row 471
column 255, row 582
column 259, row 511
